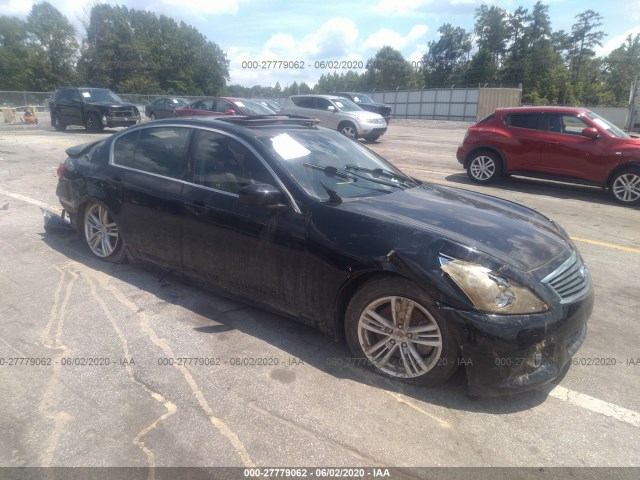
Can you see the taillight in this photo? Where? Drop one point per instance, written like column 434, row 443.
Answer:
column 60, row 170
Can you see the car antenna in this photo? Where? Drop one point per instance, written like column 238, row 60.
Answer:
column 333, row 196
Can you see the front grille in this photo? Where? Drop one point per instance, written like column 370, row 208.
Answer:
column 570, row 280
column 124, row 113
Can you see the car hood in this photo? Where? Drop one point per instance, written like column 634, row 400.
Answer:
column 365, row 115
column 112, row 104
column 507, row 231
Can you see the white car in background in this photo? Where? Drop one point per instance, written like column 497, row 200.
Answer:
column 338, row 113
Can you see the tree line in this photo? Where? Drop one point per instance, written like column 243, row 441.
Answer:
column 134, row 51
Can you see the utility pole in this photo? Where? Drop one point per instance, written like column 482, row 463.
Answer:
column 634, row 105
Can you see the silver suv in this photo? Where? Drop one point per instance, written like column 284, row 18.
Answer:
column 338, row 113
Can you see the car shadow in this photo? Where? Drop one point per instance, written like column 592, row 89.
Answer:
column 541, row 187
column 216, row 315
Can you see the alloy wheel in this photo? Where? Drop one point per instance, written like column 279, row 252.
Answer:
column 400, row 337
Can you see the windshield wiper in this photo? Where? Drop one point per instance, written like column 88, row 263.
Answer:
column 333, row 195
column 380, row 171
column 330, row 171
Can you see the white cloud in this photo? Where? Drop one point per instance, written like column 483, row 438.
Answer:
column 16, row 8
column 397, row 8
column 203, row 7
column 384, row 36
column 616, row 41
column 334, row 40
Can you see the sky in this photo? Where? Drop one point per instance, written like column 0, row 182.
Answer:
column 254, row 32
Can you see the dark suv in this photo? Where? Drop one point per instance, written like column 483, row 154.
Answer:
column 366, row 103
column 95, row 108
column 558, row 143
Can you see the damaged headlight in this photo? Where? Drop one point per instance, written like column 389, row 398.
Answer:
column 490, row 291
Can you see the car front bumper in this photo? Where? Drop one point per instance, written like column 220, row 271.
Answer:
column 376, row 129
column 460, row 155
column 506, row 354
column 120, row 121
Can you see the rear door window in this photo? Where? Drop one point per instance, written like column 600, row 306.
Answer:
column 529, row 121
column 161, row 151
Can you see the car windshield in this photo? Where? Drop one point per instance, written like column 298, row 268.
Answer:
column 362, row 98
column 605, row 124
column 346, row 105
column 253, row 108
column 324, row 163
column 99, row 95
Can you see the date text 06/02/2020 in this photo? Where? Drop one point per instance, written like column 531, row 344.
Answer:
column 302, row 64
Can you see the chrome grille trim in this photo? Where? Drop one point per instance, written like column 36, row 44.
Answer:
column 571, row 280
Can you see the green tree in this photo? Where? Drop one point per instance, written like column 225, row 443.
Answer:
column 388, row 70
column 448, row 57
column 492, row 32
column 52, row 40
column 621, row 67
column 14, row 55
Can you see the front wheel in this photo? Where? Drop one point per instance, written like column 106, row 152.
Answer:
column 625, row 187
column 392, row 326
column 56, row 123
column 101, row 233
column 483, row 167
column 153, row 116
column 348, row 130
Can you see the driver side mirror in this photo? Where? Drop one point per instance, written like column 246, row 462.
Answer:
column 229, row 111
column 331, row 108
column 590, row 132
column 260, row 194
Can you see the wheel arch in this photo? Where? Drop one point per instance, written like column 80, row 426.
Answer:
column 488, row 148
column 621, row 168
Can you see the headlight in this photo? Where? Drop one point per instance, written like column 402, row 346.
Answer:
column 490, row 291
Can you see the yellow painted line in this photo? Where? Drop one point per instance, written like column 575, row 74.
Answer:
column 605, row 244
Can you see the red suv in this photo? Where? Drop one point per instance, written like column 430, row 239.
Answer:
column 557, row 143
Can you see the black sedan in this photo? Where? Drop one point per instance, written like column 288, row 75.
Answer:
column 276, row 211
column 164, row 107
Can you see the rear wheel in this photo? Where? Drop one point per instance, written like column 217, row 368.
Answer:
column 56, row 123
column 372, row 137
column 392, row 326
column 625, row 187
column 101, row 233
column 92, row 123
column 484, row 167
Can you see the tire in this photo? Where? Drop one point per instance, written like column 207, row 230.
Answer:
column 56, row 123
column 92, row 123
column 348, row 129
column 625, row 187
column 372, row 138
column 484, row 167
column 101, row 233
column 152, row 116
column 368, row 322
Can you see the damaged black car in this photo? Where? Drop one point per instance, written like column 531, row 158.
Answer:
column 420, row 279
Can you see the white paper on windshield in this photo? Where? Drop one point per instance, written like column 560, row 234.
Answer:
column 339, row 104
column 86, row 94
column 174, row 100
column 240, row 104
column 288, row 148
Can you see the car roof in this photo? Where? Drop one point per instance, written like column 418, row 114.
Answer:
column 541, row 109
column 241, row 124
column 329, row 97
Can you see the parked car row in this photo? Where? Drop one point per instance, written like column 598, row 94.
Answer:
column 564, row 144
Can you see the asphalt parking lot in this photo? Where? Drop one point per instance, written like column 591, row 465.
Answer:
column 99, row 388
